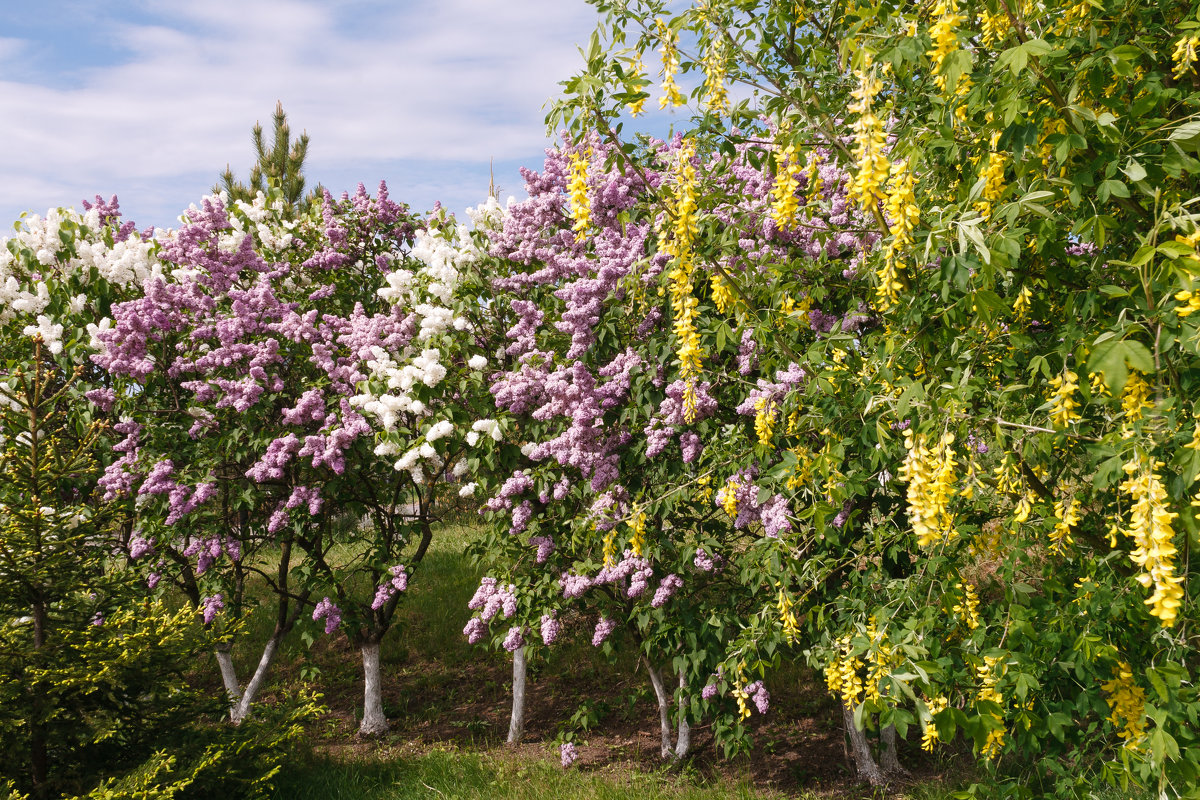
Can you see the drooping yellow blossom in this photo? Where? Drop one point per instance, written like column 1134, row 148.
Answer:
column 993, row 175
column 637, row 522
column 787, row 615
column 841, row 674
column 715, row 91
column 1022, row 304
column 764, row 419
column 1154, row 540
column 684, row 228
column 968, row 607
column 902, row 215
column 866, row 186
column 988, row 676
column 578, row 202
column 610, row 549
column 727, row 496
column 670, row 65
column 722, row 295
column 1067, row 516
column 1064, row 408
column 1127, row 705
column 812, row 176
column 944, row 33
column 1194, row 444
column 1099, row 387
column 1192, row 299
column 784, row 202
column 1073, row 19
column 1135, row 398
column 930, row 473
column 705, row 492
column 1184, row 56
column 929, row 736
column 995, row 28
column 638, row 107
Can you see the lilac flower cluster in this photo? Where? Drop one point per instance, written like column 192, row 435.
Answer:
column 544, row 545
column 492, row 598
column 670, row 584
column 209, row 607
column 330, row 613
column 391, row 587
column 550, row 628
column 759, row 695
column 567, row 754
column 604, row 629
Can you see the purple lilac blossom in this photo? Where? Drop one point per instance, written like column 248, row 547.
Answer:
column 604, row 629
column 330, row 613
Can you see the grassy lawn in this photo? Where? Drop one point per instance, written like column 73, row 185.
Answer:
column 449, row 703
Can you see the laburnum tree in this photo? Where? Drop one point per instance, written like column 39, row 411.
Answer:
column 988, row 459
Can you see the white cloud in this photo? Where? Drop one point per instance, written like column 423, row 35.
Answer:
column 372, row 83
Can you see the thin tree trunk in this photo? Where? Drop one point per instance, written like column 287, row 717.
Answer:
column 516, row 724
column 889, row 760
column 38, row 762
column 664, row 714
column 868, row 770
column 683, row 739
column 241, row 709
column 233, row 689
column 374, row 723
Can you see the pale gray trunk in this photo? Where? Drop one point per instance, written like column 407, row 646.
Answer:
column 254, row 686
column 860, row 749
column 233, row 689
column 664, row 713
column 516, row 724
column 889, row 759
column 374, row 723
column 683, row 739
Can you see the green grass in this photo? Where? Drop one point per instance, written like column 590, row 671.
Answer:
column 462, row 775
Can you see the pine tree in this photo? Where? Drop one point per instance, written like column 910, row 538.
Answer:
column 280, row 167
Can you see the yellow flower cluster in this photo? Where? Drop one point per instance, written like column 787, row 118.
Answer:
column 727, row 496
column 637, row 522
column 995, row 28
column 866, row 186
column 902, row 215
column 722, row 295
column 841, row 674
column 802, row 473
column 929, row 736
column 740, row 694
column 968, row 607
column 787, row 616
column 944, row 33
column 1127, row 705
column 812, row 174
column 578, row 201
column 705, row 492
column 1154, row 540
column 1135, row 398
column 1064, row 408
column 784, row 203
column 682, row 205
column 881, row 660
column 993, row 175
column 670, row 65
column 929, row 473
column 610, row 549
column 714, row 74
column 1193, row 302
column 764, row 419
column 1023, row 303
column 1067, row 516
column 1184, row 56
column 988, row 676
column 638, row 107
column 1073, row 19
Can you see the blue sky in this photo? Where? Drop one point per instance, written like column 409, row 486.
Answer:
column 150, row 99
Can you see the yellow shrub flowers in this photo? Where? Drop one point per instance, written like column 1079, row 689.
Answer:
column 578, row 201
column 866, row 186
column 930, row 473
column 1153, row 537
column 1127, row 704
